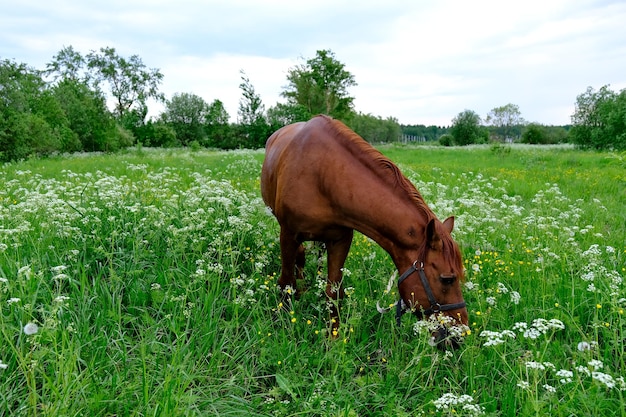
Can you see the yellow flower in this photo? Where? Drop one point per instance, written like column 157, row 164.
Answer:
column 308, row 322
column 293, row 319
column 598, row 306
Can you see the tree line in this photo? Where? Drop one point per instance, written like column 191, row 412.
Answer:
column 99, row 102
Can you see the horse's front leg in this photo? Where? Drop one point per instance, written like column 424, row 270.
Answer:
column 337, row 251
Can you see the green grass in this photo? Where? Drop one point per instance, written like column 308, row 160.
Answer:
column 151, row 276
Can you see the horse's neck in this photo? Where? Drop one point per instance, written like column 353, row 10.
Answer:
column 389, row 217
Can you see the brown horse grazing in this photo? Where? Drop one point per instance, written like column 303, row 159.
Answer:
column 322, row 181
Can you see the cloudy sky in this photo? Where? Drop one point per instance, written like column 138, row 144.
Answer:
column 422, row 62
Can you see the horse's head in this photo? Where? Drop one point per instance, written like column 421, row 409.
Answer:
column 432, row 285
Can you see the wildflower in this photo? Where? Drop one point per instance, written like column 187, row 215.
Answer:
column 30, row 328
column 13, row 300
column 596, row 364
column 605, row 379
column 523, row 384
column 61, row 299
column 565, row 376
column 470, row 285
column 3, row 247
column 449, row 401
column 583, row 370
column 3, row 365
column 502, row 288
column 549, row 388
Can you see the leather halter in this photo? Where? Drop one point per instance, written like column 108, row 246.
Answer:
column 435, row 307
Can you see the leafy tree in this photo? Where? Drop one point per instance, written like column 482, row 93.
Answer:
column 375, row 129
column 251, row 114
column 506, row 121
column 599, row 120
column 31, row 120
column 130, row 82
column 218, row 130
column 88, row 116
column 186, row 114
column 283, row 114
column 321, row 86
column 466, row 128
column 68, row 64
column 534, row 134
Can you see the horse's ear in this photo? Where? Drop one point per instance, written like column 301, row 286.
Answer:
column 448, row 224
column 432, row 237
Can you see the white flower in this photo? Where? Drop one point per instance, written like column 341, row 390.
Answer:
column 565, row 376
column 549, row 388
column 3, row 365
column 583, row 346
column 606, row 379
column 515, row 297
column 448, row 401
column 30, row 328
column 13, row 300
column 61, row 299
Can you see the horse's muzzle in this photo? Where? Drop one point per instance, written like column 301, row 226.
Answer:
column 444, row 340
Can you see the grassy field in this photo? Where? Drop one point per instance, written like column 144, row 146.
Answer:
column 144, row 284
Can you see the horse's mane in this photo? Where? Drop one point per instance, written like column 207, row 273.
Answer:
column 379, row 163
column 386, row 169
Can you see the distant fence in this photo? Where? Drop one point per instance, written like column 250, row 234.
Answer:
column 412, row 138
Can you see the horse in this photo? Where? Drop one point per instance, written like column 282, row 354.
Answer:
column 322, row 181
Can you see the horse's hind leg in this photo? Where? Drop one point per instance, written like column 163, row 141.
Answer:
column 337, row 252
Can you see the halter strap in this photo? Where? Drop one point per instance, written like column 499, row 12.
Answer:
column 435, row 307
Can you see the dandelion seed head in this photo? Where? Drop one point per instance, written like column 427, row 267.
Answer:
column 30, row 329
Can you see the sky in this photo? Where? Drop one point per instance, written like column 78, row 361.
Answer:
column 421, row 62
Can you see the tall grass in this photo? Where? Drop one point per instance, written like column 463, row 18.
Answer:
column 144, row 283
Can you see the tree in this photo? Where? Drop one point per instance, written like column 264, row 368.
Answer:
column 218, row 131
column 186, row 114
column 321, row 86
column 67, row 64
column 283, row 114
column 31, row 119
column 599, row 120
column 506, row 121
column 88, row 116
column 252, row 115
column 130, row 82
column 375, row 129
column 466, row 128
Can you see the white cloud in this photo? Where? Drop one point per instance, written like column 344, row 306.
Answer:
column 421, row 62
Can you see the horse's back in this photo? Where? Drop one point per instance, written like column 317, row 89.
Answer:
column 300, row 161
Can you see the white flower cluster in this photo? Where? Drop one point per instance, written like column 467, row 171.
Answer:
column 537, row 328
column 566, row 376
column 458, row 404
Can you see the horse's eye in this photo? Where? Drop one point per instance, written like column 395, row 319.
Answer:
column 447, row 279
